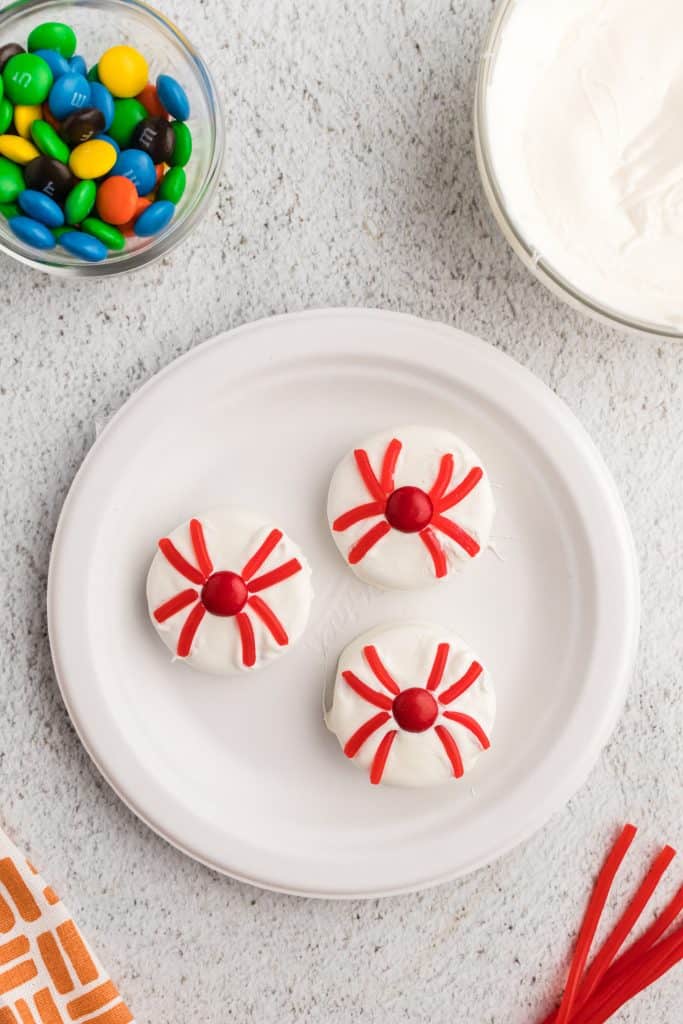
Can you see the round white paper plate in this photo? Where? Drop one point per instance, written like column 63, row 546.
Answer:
column 240, row 773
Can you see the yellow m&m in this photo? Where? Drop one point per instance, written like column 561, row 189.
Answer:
column 92, row 159
column 24, row 118
column 123, row 70
column 16, row 149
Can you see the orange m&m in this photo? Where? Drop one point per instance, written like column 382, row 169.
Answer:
column 117, row 200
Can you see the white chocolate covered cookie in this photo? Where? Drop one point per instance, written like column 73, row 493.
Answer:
column 228, row 592
column 409, row 506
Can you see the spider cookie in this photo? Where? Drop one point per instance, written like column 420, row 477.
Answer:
column 228, row 592
column 412, row 705
column 410, row 506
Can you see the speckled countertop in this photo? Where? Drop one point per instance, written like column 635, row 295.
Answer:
column 350, row 180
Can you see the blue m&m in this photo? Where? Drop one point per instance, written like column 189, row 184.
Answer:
column 42, row 208
column 154, row 219
column 69, row 94
column 173, row 97
column 139, row 167
column 32, row 232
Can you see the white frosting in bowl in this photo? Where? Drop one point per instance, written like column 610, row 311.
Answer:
column 584, row 112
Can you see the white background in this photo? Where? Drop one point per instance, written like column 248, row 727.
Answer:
column 350, row 180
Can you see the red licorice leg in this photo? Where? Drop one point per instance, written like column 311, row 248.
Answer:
column 246, row 631
column 270, row 620
column 259, row 557
column 431, row 542
column 596, row 905
column 180, row 564
column 389, row 465
column 366, row 471
column 380, row 759
column 443, row 478
column 451, row 748
column 200, row 550
column 456, row 533
column 462, row 490
column 469, row 723
column 379, row 669
column 359, row 737
column 368, row 541
column 357, row 515
column 380, row 700
column 438, row 666
column 463, row 684
column 175, row 605
column 269, row 579
column 189, row 630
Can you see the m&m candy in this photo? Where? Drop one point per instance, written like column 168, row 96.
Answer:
column 173, row 97
column 88, row 158
column 42, row 208
column 32, row 232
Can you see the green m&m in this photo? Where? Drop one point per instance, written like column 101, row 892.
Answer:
column 173, row 185
column 53, row 35
column 128, row 113
column 48, row 141
column 6, row 114
column 11, row 181
column 80, row 201
column 28, row 79
column 182, row 151
column 107, row 233
column 9, row 210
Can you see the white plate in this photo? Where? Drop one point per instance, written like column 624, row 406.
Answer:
column 241, row 774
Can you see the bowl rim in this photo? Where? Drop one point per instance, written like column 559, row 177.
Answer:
column 527, row 253
column 180, row 227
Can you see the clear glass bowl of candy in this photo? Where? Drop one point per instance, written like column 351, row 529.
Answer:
column 111, row 135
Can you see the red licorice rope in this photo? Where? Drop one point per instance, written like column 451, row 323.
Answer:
column 592, row 996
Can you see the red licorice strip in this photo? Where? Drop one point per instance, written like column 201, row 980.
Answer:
column 591, row 919
column 355, row 742
column 652, row 965
column 380, row 670
column 270, row 620
column 626, row 923
column 259, row 557
column 175, row 605
column 380, row 759
column 451, row 748
column 199, row 544
column 623, row 969
column 368, row 541
column 358, row 514
column 431, row 542
column 380, row 700
column 456, row 533
column 180, row 564
column 369, row 479
column 389, row 465
column 246, row 631
column 460, row 492
column 463, row 684
column 443, row 478
column 269, row 579
column 438, row 666
column 189, row 630
column 469, row 723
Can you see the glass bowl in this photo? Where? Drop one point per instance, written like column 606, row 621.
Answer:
column 100, row 24
column 513, row 231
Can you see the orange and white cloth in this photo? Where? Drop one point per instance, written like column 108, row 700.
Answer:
column 48, row 973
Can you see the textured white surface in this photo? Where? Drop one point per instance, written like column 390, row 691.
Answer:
column 350, row 181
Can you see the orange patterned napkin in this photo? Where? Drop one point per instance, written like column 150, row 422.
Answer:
column 48, row 973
